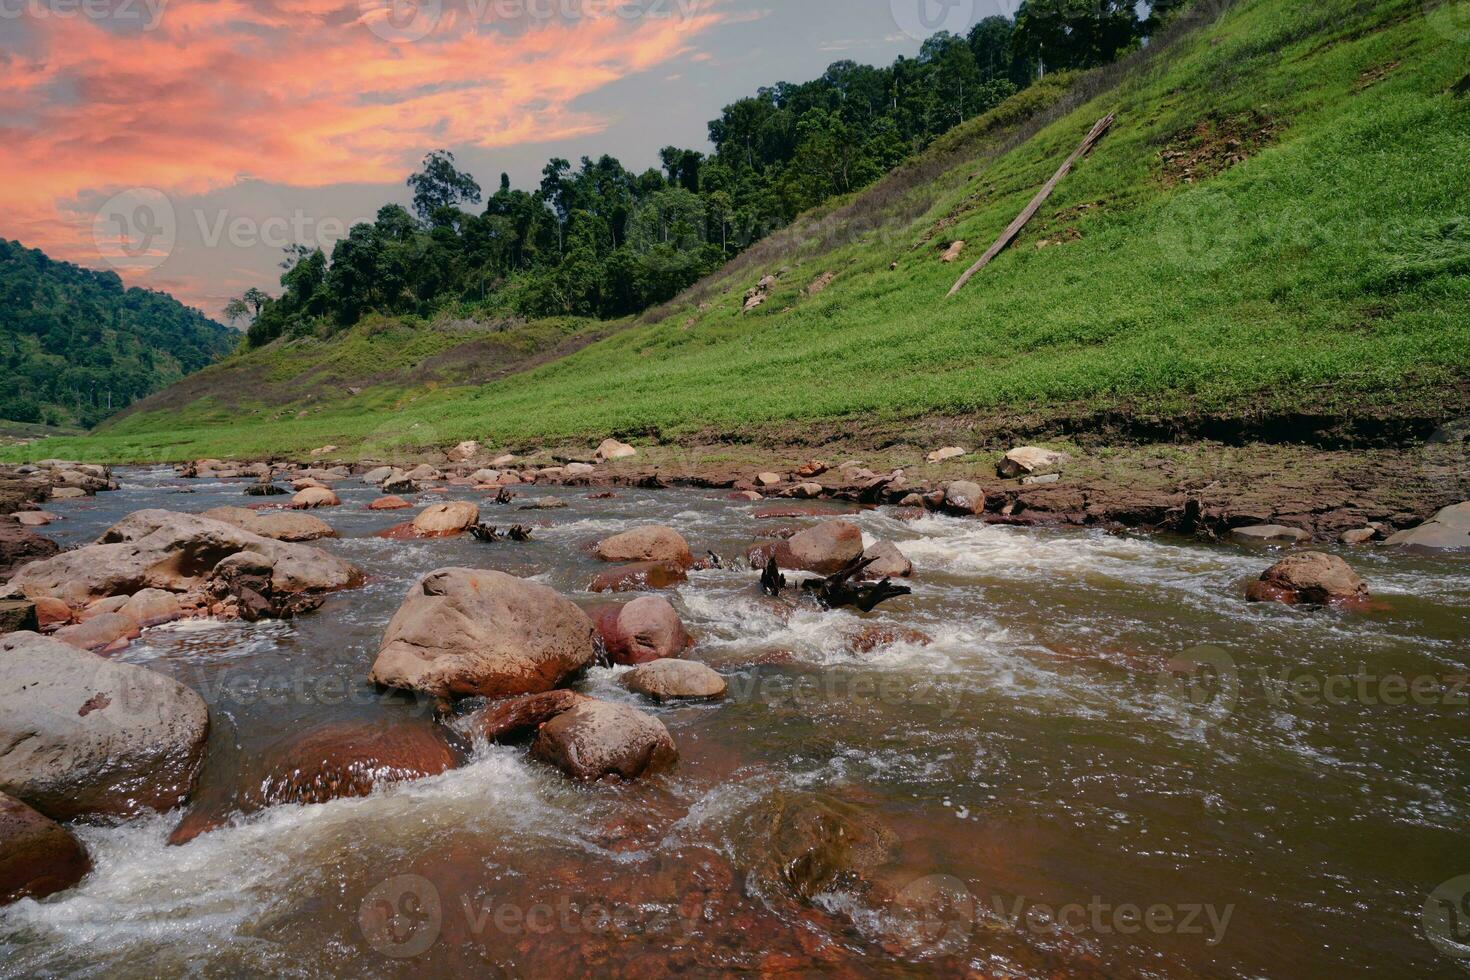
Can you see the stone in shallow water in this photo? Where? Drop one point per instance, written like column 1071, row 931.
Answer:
column 597, row 738
column 1270, row 534
column 640, row 577
column 652, row 543
column 38, row 857
column 675, row 680
column 1448, row 530
column 644, row 630
column 804, row 844
column 1310, row 577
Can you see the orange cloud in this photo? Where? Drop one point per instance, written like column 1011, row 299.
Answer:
column 303, row 93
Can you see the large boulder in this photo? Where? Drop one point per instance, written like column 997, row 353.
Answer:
column 1448, row 530
column 1310, row 577
column 651, row 543
column 38, row 857
column 1026, row 460
column 597, row 738
column 675, row 680
column 463, row 632
column 279, row 525
column 312, row 497
column 158, row 549
column 826, row 548
column 964, row 497
column 335, row 760
column 446, row 520
column 644, row 630
column 612, row 449
column 84, row 736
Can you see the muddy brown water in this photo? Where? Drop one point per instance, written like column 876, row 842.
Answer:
column 1062, row 795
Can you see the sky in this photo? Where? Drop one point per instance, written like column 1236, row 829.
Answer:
column 186, row 143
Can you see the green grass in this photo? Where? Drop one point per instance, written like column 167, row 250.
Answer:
column 1330, row 268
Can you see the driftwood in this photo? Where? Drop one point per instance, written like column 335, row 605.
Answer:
column 1009, row 235
column 488, row 532
column 836, row 591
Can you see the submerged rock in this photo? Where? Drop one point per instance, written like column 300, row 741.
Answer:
column 334, row 761
column 644, row 544
column 644, row 630
column 84, row 736
column 463, row 632
column 675, row 680
column 38, row 857
column 640, row 577
column 1310, row 577
column 804, row 844
column 595, row 739
column 1270, row 534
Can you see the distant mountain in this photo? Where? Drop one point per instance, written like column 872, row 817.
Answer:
column 77, row 346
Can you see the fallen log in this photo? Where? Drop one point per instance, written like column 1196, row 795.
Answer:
column 1009, row 235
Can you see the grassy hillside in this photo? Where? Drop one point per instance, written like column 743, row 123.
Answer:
column 1278, row 223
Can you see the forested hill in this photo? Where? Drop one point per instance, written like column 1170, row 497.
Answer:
column 77, row 346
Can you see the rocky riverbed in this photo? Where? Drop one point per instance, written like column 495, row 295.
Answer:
column 326, row 735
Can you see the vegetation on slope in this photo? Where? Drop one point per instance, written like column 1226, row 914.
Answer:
column 1278, row 221
column 600, row 240
column 77, row 346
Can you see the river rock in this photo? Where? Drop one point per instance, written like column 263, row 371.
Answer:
column 313, row 497
column 651, row 543
column 1309, row 577
column 105, row 633
column 446, row 520
column 84, row 736
column 595, row 739
column 176, row 552
column 1270, row 534
column 767, row 479
column 52, row 612
column 873, row 636
column 152, row 607
column 644, row 630
column 19, row 545
column 612, row 449
column 38, row 857
column 67, row 493
column 640, row 576
column 964, row 497
column 1025, row 460
column 424, row 472
column 889, row 562
column 947, row 453
column 463, row 452
column 463, row 632
column 280, row 525
column 17, row 615
column 389, row 502
column 1448, row 530
column 516, row 717
column 826, row 548
column 1357, row 536
column 34, row 518
column 484, row 476
column 375, row 476
column 804, row 844
column 675, row 680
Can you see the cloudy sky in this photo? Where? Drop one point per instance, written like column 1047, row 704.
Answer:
column 186, row 142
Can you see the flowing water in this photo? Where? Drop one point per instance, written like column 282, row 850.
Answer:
column 1064, row 797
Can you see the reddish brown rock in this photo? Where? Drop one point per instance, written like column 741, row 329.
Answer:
column 888, row 562
column 52, row 612
column 596, row 739
column 644, row 630
column 871, row 637
column 1310, row 577
column 38, row 857
column 446, row 520
column 315, row 497
column 640, row 577
column 334, row 761
column 653, row 543
column 517, row 717
column 107, row 633
column 389, row 502
column 826, row 548
column 675, row 680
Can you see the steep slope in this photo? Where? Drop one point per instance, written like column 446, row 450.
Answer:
column 78, row 346
column 1273, row 240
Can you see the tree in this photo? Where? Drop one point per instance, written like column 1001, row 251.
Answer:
column 1058, row 34
column 441, row 184
column 256, row 299
column 235, row 310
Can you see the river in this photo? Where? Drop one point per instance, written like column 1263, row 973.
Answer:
column 1059, row 796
